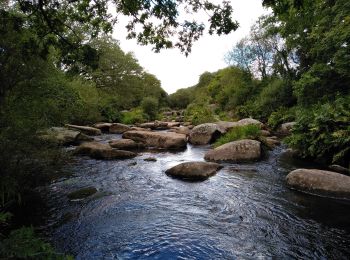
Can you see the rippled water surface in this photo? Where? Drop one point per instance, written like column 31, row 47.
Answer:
column 243, row 212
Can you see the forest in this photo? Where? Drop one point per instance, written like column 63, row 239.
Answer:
column 59, row 65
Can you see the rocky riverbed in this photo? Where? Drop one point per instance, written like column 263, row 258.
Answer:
column 136, row 209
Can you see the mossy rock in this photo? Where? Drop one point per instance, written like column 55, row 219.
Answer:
column 82, row 193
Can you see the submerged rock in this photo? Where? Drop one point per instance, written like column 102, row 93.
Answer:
column 237, row 151
column 85, row 129
column 319, row 182
column 117, row 128
column 164, row 140
column 82, row 193
column 194, row 170
column 205, row 133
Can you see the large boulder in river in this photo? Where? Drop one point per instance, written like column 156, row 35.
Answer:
column 117, row 128
column 102, row 151
column 205, row 133
column 85, row 129
column 237, row 151
column 319, row 182
column 193, row 170
column 62, row 135
column 164, row 140
column 126, row 144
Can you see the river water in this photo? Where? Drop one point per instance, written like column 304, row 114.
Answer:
column 245, row 211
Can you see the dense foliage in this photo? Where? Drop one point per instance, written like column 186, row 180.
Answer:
column 293, row 66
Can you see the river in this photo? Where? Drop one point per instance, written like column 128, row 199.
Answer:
column 245, row 211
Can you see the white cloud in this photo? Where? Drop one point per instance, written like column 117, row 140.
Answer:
column 175, row 70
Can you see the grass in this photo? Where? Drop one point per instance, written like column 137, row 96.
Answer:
column 239, row 133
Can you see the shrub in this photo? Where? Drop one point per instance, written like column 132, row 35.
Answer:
column 281, row 116
column 133, row 116
column 323, row 132
column 238, row 133
column 23, row 243
column 199, row 114
column 150, row 107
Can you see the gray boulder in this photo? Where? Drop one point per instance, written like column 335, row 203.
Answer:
column 319, row 182
column 117, row 128
column 237, row 151
column 205, row 133
column 285, row 129
column 194, row 170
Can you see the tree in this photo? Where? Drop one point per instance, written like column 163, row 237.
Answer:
column 318, row 32
column 150, row 107
column 160, row 20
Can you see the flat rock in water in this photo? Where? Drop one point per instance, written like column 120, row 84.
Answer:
column 126, row 144
column 237, row 151
column 85, row 129
column 319, row 182
column 164, row 140
column 117, row 128
column 194, row 170
column 110, row 154
column 102, row 151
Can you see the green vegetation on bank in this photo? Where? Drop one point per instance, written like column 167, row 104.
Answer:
column 293, row 66
column 238, row 133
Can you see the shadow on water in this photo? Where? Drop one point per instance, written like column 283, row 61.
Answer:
column 245, row 211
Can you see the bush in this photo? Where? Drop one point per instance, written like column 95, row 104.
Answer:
column 281, row 116
column 199, row 114
column 238, row 133
column 24, row 244
column 323, row 132
column 133, row 116
column 150, row 107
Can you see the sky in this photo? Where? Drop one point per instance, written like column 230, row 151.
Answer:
column 173, row 68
